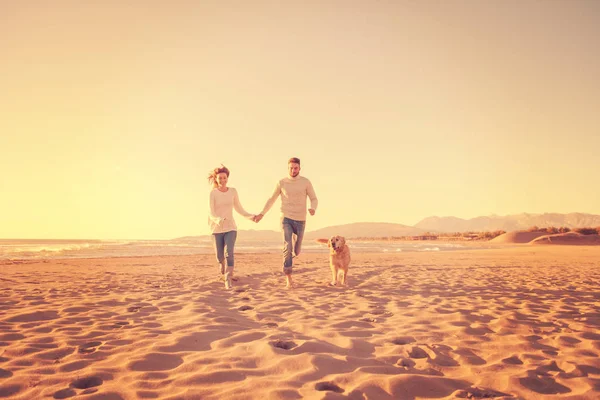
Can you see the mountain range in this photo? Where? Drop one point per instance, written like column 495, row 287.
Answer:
column 434, row 224
column 509, row 222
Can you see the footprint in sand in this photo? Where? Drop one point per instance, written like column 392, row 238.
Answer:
column 271, row 325
column 367, row 319
column 87, row 382
column 328, row 386
column 134, row 309
column 514, row 360
column 480, row 393
column 89, row 347
column 285, row 345
column 417, row 352
column 245, row 308
column 406, row 363
column 404, row 340
column 382, row 312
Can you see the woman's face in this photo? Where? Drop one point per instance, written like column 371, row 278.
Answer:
column 222, row 179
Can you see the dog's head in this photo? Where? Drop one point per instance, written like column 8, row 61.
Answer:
column 336, row 243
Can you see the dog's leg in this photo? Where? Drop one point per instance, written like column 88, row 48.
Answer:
column 344, row 274
column 334, row 272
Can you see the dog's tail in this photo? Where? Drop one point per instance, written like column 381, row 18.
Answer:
column 321, row 240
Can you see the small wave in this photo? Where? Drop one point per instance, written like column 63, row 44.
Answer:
column 430, row 249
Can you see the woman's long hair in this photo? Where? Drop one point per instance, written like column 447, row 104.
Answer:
column 212, row 176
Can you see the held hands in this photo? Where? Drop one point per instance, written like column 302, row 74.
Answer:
column 257, row 218
column 311, row 211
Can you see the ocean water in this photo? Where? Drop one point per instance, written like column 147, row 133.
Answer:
column 12, row 249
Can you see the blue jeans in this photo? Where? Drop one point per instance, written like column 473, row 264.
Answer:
column 222, row 240
column 292, row 229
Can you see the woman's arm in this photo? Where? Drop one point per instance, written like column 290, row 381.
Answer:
column 238, row 206
column 212, row 209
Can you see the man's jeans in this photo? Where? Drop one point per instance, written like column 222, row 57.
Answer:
column 292, row 229
column 221, row 240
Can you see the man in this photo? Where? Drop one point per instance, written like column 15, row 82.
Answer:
column 293, row 191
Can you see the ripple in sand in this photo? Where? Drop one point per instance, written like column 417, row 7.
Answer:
column 74, row 366
column 103, row 396
column 147, row 394
column 156, row 362
column 6, row 391
column 328, row 386
column 64, row 394
column 245, row 308
column 11, row 337
column 35, row 316
column 5, row 374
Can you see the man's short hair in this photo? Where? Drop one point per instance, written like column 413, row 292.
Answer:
column 294, row 160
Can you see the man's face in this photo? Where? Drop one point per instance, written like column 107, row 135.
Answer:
column 293, row 169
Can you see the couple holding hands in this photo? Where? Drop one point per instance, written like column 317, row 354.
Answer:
column 293, row 189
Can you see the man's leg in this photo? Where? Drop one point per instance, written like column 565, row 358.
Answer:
column 299, row 233
column 288, row 231
column 219, row 244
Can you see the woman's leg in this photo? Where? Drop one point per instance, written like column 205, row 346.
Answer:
column 229, row 240
column 219, row 244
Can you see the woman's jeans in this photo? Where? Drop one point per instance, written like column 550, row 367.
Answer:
column 222, row 240
column 291, row 228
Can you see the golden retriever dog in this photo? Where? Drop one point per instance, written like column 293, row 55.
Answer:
column 339, row 258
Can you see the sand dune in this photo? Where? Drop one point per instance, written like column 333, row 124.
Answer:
column 570, row 238
column 517, row 237
column 506, row 323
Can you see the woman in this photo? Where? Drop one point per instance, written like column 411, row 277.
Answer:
column 223, row 200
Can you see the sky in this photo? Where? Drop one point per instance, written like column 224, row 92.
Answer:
column 112, row 113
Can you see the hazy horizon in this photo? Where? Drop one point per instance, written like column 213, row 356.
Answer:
column 114, row 113
column 269, row 229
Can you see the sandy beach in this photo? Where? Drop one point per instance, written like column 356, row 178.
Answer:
column 520, row 322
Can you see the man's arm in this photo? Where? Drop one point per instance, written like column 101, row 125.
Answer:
column 314, row 202
column 270, row 202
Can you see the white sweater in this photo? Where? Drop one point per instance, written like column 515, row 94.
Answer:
column 293, row 193
column 221, row 205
